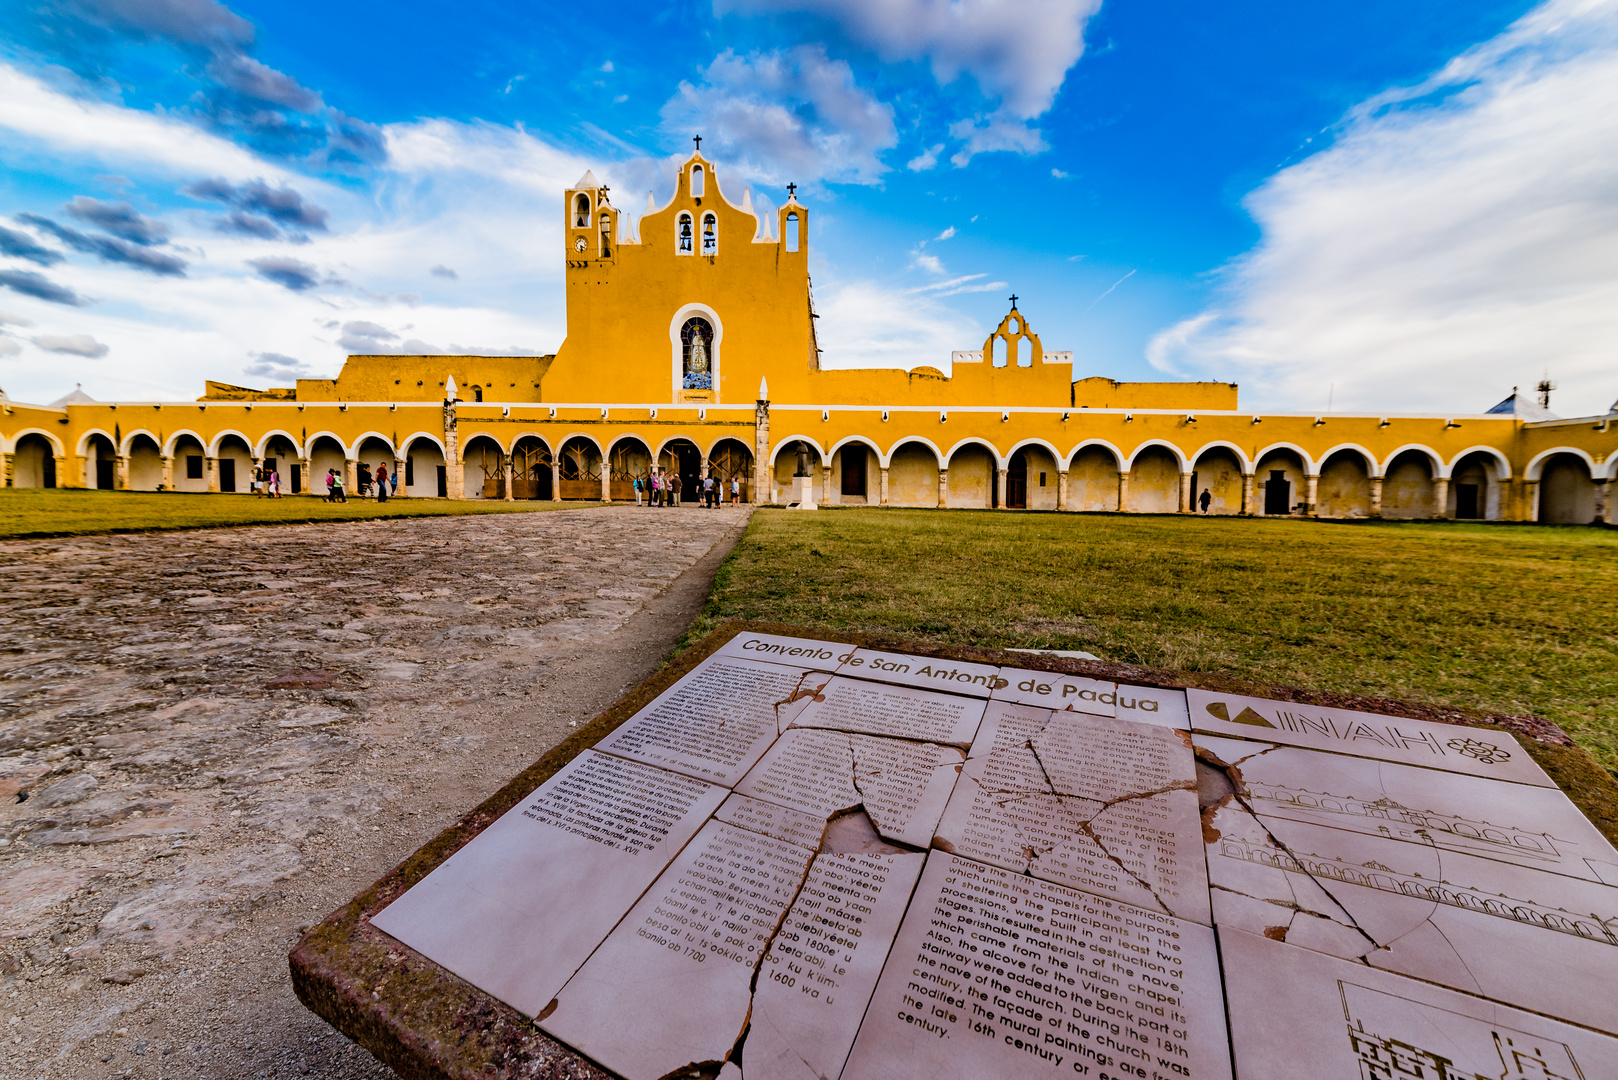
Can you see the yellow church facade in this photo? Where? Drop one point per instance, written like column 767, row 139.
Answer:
column 692, row 350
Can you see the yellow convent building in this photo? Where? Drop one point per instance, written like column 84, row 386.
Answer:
column 691, row 350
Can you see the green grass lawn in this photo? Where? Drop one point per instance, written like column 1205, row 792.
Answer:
column 26, row 512
column 1505, row 618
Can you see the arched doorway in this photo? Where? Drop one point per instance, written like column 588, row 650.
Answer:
column 483, row 469
column 190, row 468
column 1474, row 488
column 1344, row 487
column 680, row 457
column 913, row 475
column 1017, row 481
column 786, row 466
column 374, row 451
column 1407, row 489
column 235, row 463
column 145, row 463
column 579, row 466
column 631, row 460
column 280, row 456
column 851, row 469
column 731, row 459
column 1092, row 480
column 1566, row 494
column 100, row 463
column 1154, row 482
column 1218, row 472
column 531, row 468
column 1280, row 482
column 33, row 463
column 426, row 473
column 971, row 477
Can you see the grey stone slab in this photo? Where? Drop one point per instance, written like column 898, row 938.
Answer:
column 1524, row 937
column 1153, row 705
column 504, row 916
column 1296, row 1013
column 902, row 785
column 1051, row 690
column 791, row 651
column 672, row 986
column 924, row 672
column 1533, row 828
column 717, row 720
column 994, row 974
column 1390, row 738
column 774, row 820
column 898, row 711
column 820, row 971
column 1100, row 804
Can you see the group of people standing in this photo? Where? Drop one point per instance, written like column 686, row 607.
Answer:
column 381, row 485
column 660, row 489
column 266, row 483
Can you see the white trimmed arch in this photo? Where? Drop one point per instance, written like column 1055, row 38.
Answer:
column 677, row 372
column 973, row 440
column 1536, row 467
column 612, row 444
column 264, row 443
column 416, row 436
column 726, row 438
column 1440, row 470
column 678, row 436
column 1502, row 463
column 1373, row 468
column 1241, row 458
column 1612, row 467
column 10, row 445
column 1117, row 454
column 359, row 441
column 775, row 453
column 943, row 462
column 309, row 443
column 1179, row 455
column 1056, row 455
column 585, row 435
column 213, row 447
column 861, row 440
column 173, row 443
column 1310, row 466
column 83, row 446
column 129, row 441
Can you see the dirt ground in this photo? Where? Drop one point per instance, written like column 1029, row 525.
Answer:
column 209, row 740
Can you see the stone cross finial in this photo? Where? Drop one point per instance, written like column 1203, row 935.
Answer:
column 698, row 140
column 1013, row 299
column 792, row 189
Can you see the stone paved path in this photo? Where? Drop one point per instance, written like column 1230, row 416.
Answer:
column 169, row 820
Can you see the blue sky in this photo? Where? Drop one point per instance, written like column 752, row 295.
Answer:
column 1373, row 205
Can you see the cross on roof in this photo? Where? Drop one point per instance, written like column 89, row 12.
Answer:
column 698, row 140
column 1013, row 299
column 792, row 189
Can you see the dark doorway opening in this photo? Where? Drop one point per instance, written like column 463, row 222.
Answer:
column 48, row 471
column 297, row 478
column 1466, row 501
column 1278, row 493
column 227, row 474
column 410, row 471
column 443, row 481
column 854, row 471
column 104, row 474
column 688, row 463
column 1017, row 482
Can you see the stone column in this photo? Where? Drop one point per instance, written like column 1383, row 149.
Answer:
column 306, row 476
column 943, row 488
column 60, row 461
column 1441, row 497
column 9, row 465
column 507, row 470
column 1061, row 490
column 1601, row 501
column 1247, row 494
column 825, row 484
column 1376, row 496
column 81, row 476
column 1311, row 489
column 1123, row 492
column 454, row 479
column 1530, row 497
column 1186, row 494
column 606, row 481
column 882, row 486
column 556, row 480
column 120, row 473
column 210, row 470
column 1000, row 488
column 166, row 476
column 351, row 476
column 763, row 482
column 398, row 471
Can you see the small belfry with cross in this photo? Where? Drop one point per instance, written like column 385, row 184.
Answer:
column 698, row 140
column 792, row 191
column 1014, row 301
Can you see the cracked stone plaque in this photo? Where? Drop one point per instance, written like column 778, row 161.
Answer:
column 672, row 986
column 773, row 820
column 1523, row 936
column 1390, row 738
column 820, row 971
column 1052, row 690
column 902, row 785
column 997, row 974
column 1104, row 805
column 716, row 721
column 794, row 652
column 923, row 672
column 1519, row 825
column 897, row 711
column 500, row 915
column 1296, row 1013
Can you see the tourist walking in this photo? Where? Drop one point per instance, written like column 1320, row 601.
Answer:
column 334, row 487
column 637, row 491
column 735, row 491
column 657, row 490
column 674, row 490
column 275, row 483
column 394, row 480
column 1206, row 498
column 381, row 483
column 363, row 480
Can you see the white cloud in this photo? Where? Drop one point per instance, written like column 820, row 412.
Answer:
column 1018, row 51
column 926, row 159
column 9, row 347
column 75, row 344
column 930, row 263
column 867, row 324
column 998, row 132
column 946, row 234
column 786, row 115
column 1460, row 237
column 8, row 319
